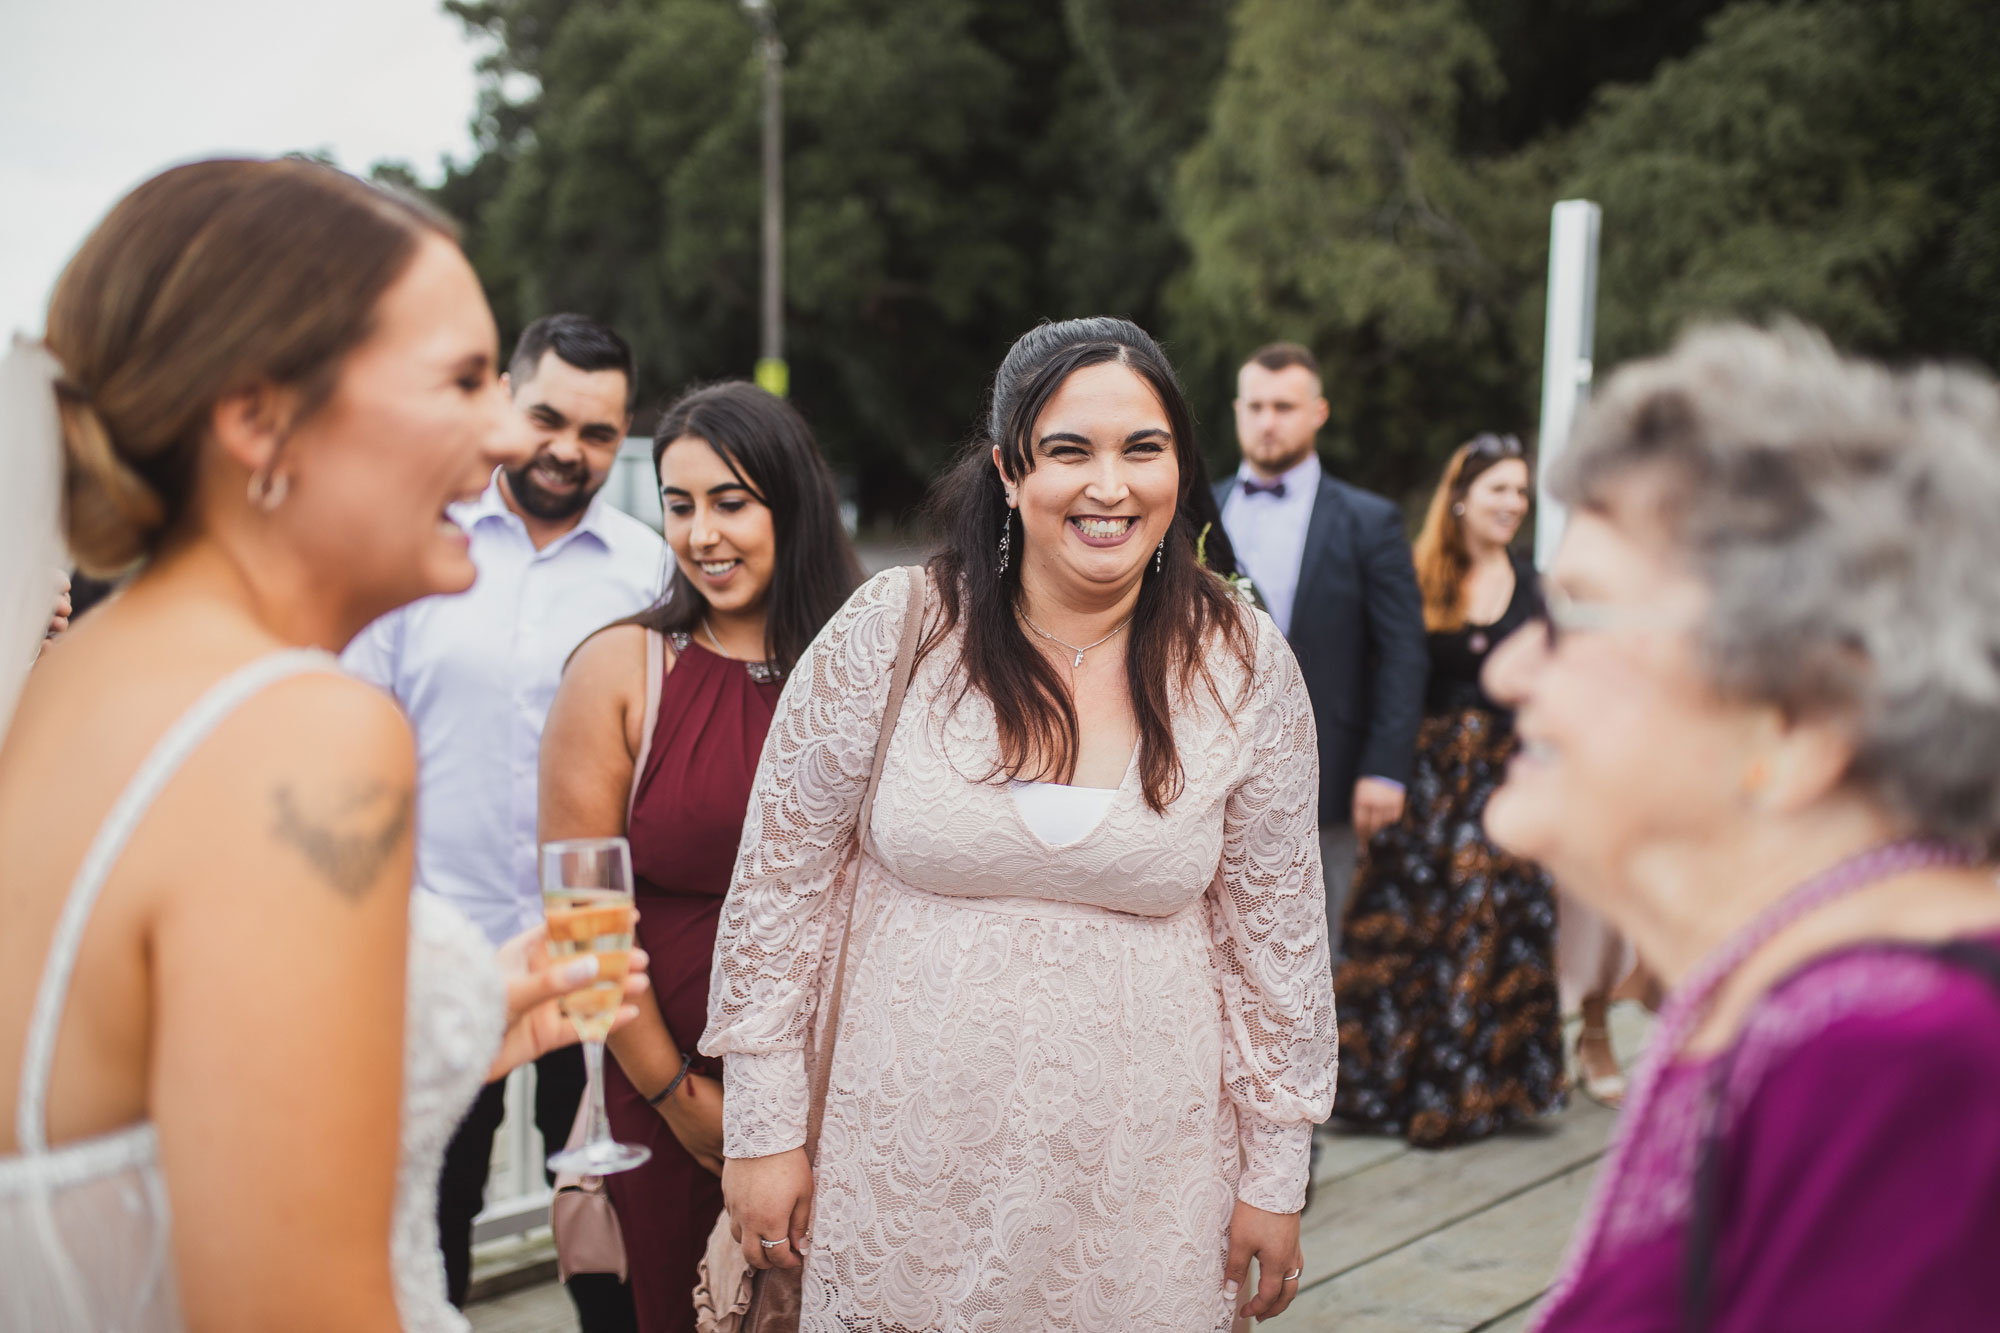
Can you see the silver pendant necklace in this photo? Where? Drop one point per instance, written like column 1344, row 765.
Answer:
column 761, row 672
column 1072, row 647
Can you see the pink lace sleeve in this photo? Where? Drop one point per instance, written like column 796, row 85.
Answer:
column 1267, row 917
column 764, row 990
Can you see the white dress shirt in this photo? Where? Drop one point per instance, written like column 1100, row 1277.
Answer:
column 476, row 672
column 1269, row 534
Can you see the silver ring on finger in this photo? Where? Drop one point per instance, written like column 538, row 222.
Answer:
column 1292, row 1276
column 771, row 1244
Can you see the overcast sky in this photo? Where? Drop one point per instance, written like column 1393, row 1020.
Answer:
column 97, row 95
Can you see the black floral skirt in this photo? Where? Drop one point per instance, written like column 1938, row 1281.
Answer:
column 1450, row 1028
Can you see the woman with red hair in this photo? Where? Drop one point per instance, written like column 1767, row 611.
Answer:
column 1449, row 1022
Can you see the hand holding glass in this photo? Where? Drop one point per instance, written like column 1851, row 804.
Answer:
column 587, row 899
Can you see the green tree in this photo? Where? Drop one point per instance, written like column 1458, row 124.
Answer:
column 955, row 171
column 1372, row 177
column 1754, row 177
column 1943, row 60
column 1328, row 203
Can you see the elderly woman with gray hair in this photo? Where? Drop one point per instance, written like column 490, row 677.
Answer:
column 1761, row 733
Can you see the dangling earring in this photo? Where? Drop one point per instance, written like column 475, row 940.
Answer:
column 268, row 489
column 1006, row 540
column 1159, row 555
column 1458, row 510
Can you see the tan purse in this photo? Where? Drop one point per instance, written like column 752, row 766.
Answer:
column 730, row 1296
column 588, row 1237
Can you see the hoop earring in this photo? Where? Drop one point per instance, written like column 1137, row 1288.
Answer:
column 268, row 490
column 1006, row 541
column 1159, row 555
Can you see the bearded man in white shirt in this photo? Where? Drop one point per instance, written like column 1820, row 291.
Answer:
column 1332, row 565
column 476, row 672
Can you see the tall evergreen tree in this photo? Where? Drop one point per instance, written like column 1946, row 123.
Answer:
column 1328, row 203
column 954, row 171
column 1372, row 177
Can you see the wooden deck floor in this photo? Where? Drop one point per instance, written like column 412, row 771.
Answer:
column 1398, row 1241
column 1465, row 1239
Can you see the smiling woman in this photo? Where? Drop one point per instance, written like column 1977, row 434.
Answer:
column 271, row 381
column 1090, row 455
column 1089, row 1026
column 1450, row 1027
column 1759, row 732
column 654, row 734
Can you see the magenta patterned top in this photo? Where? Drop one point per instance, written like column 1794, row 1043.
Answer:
column 1860, row 1186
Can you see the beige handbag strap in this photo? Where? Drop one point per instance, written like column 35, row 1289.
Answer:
column 656, row 671
column 899, row 685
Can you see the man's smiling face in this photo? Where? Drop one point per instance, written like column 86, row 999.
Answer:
column 579, row 420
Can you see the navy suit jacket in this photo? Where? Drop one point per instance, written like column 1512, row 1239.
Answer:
column 1358, row 632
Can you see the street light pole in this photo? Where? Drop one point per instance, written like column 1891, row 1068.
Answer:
column 772, row 372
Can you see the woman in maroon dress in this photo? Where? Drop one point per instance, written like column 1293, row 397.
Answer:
column 761, row 563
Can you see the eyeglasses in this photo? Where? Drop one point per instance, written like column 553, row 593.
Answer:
column 1563, row 614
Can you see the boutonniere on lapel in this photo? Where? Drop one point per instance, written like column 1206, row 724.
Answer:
column 1238, row 584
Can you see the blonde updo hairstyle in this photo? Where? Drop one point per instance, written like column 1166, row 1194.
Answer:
column 207, row 279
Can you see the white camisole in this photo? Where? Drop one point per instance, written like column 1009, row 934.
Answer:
column 1060, row 814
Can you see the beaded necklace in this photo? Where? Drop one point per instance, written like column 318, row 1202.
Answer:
column 1688, row 1004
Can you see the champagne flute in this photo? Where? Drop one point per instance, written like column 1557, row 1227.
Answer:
column 587, row 899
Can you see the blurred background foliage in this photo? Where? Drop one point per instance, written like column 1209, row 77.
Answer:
column 1371, row 177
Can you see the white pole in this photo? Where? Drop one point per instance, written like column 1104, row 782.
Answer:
column 1567, row 348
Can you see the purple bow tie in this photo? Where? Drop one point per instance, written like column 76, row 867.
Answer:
column 1274, row 489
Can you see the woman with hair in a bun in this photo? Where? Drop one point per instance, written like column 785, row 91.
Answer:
column 262, row 384
column 1760, row 732
column 1088, row 1024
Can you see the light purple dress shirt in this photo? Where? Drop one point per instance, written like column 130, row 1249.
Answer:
column 1269, row 534
column 476, row 672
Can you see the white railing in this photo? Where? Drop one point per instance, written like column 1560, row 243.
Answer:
column 517, row 1193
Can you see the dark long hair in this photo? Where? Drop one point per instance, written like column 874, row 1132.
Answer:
column 1182, row 611
column 768, row 447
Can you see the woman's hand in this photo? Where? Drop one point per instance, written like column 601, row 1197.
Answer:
column 770, row 1198
column 536, row 984
column 694, row 1114
column 1272, row 1239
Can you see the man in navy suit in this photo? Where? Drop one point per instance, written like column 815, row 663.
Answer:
column 1332, row 565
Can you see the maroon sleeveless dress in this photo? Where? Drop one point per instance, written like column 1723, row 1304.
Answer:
column 687, row 817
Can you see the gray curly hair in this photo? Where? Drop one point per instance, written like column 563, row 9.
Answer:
column 1846, row 518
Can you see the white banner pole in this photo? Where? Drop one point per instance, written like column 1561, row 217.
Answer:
column 1567, row 348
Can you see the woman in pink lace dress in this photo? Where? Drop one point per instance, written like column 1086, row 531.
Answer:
column 1089, row 1023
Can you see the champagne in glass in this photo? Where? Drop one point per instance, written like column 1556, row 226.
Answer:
column 587, row 899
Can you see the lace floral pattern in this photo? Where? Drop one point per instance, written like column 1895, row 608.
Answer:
column 455, row 1013
column 1051, row 1058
